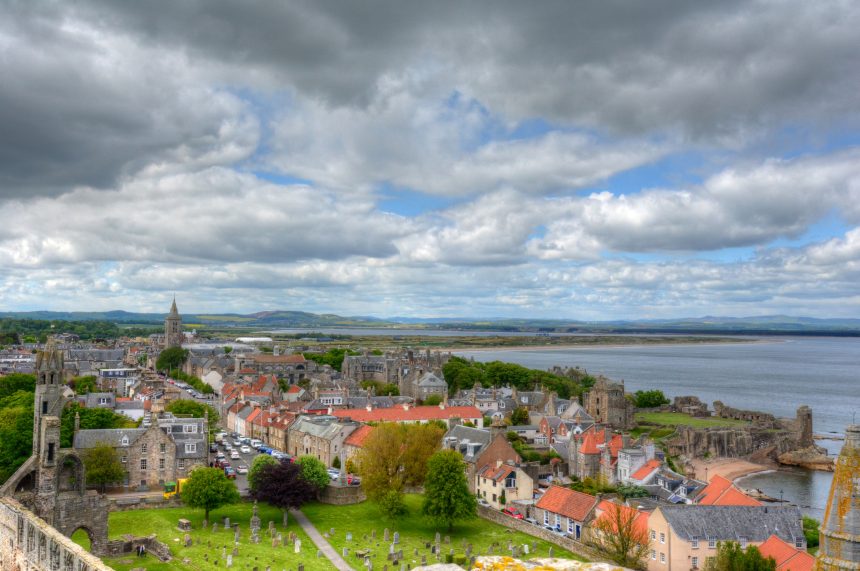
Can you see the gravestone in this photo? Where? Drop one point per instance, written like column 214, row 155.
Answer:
column 331, row 531
column 214, row 526
column 373, row 534
column 391, row 548
column 255, row 521
column 349, row 536
column 526, row 548
column 229, row 561
column 205, row 523
column 226, row 522
column 319, row 553
column 276, row 542
column 438, row 537
column 286, row 518
column 468, row 550
column 385, row 535
column 345, row 552
column 236, row 534
column 235, row 552
column 187, row 539
column 184, row 525
column 403, row 567
column 271, row 528
column 423, row 560
column 368, row 563
column 255, row 537
column 297, row 546
column 447, row 539
column 301, row 567
column 396, row 537
column 223, row 552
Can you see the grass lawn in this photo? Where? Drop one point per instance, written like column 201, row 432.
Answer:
column 163, row 522
column 678, row 419
column 415, row 530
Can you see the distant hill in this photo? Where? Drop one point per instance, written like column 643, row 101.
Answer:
column 759, row 325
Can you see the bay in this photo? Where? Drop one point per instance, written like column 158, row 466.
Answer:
column 774, row 375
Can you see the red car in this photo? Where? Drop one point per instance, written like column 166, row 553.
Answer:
column 230, row 473
column 513, row 512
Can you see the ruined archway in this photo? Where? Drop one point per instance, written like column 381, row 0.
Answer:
column 83, row 536
column 71, row 475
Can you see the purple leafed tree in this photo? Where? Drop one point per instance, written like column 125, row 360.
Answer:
column 281, row 485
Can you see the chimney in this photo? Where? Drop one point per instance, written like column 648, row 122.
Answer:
column 498, row 464
column 369, row 407
column 329, row 410
column 406, row 406
column 442, row 405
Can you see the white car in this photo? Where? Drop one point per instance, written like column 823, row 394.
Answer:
column 246, row 449
column 234, row 455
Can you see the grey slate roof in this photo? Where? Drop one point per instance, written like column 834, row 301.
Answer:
column 562, row 449
column 90, row 438
column 431, row 380
column 464, row 434
column 724, row 523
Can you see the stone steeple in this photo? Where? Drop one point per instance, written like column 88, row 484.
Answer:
column 173, row 336
column 840, row 531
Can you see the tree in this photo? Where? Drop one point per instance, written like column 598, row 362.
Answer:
column 520, row 416
column 618, row 535
column 391, row 504
column 810, row 531
column 209, row 489
column 90, row 418
column 336, row 463
column 83, row 385
column 103, row 466
column 14, row 382
column 419, row 444
column 432, row 400
column 260, row 462
column 196, row 410
column 446, row 492
column 171, row 358
column 314, row 472
column 283, row 485
column 16, row 432
column 731, row 557
column 650, row 399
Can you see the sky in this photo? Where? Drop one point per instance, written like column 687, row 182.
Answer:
column 578, row 160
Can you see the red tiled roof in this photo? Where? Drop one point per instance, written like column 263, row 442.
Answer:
column 645, row 470
column 358, row 436
column 787, row 556
column 294, row 389
column 413, row 414
column 567, row 502
column 721, row 492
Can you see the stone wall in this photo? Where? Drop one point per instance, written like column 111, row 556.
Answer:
column 28, row 542
column 577, row 547
column 342, row 495
column 142, row 503
column 129, row 545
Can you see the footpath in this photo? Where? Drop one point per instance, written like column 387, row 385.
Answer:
column 321, row 542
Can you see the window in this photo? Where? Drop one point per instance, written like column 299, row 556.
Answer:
column 494, row 497
column 662, row 557
column 143, row 448
column 798, row 542
column 162, row 447
column 161, row 463
column 743, row 542
column 546, row 518
column 557, row 521
column 124, row 441
column 712, row 543
column 50, row 452
column 569, row 525
column 190, row 428
column 190, row 447
column 103, row 400
column 653, row 535
column 694, row 543
column 653, row 555
column 662, row 537
column 143, row 463
column 44, row 407
column 695, row 562
column 181, row 464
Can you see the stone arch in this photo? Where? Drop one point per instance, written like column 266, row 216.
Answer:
column 71, row 477
column 90, row 535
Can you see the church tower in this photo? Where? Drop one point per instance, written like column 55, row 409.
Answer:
column 840, row 530
column 47, row 409
column 173, row 336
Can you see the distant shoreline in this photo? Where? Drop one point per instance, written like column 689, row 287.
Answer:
column 583, row 346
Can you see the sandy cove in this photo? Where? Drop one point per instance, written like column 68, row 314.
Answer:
column 729, row 468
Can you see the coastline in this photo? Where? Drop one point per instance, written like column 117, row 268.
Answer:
column 584, row 346
column 731, row 469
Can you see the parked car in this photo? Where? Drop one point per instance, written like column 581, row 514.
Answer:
column 213, row 449
column 513, row 512
column 241, row 469
column 219, row 455
column 230, row 473
column 234, row 455
column 483, row 502
column 246, row 449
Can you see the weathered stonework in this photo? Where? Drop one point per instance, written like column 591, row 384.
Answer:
column 839, row 547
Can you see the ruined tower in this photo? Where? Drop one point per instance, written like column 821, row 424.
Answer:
column 804, row 427
column 173, row 336
column 840, row 531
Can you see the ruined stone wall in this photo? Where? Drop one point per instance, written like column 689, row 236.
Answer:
column 755, row 416
column 729, row 442
column 28, row 542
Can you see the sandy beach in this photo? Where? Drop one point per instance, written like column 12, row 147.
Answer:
column 728, row 468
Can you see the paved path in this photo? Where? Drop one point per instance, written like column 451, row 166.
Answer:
column 321, row 542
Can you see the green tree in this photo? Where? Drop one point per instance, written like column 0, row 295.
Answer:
column 446, row 492
column 103, row 466
column 14, row 382
column 16, row 432
column 520, row 416
column 209, row 489
column 90, row 418
column 228, row 350
column 314, row 472
column 433, row 400
column 731, row 557
column 391, row 504
column 650, row 399
column 83, row 385
column 257, row 466
column 196, row 410
column 810, row 531
column 336, row 462
column 420, row 441
column 171, row 358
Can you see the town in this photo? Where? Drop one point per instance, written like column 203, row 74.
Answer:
column 591, row 475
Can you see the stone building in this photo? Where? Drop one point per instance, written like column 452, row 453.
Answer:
column 164, row 452
column 479, row 448
column 607, row 404
column 839, row 548
column 319, row 436
column 173, row 336
column 52, row 482
column 502, row 483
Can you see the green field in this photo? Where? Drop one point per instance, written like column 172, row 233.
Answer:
column 163, row 523
column 362, row 519
column 680, row 419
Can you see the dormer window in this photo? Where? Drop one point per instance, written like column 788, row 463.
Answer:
column 124, row 441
